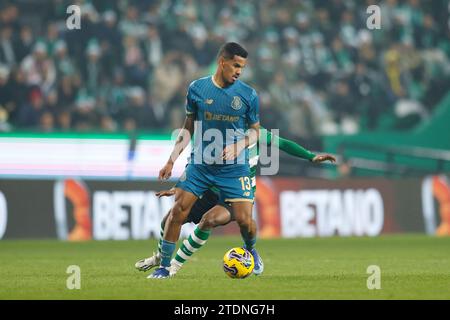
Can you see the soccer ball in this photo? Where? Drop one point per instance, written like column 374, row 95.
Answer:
column 238, row 263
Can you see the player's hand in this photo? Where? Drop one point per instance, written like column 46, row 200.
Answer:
column 166, row 172
column 165, row 193
column 324, row 157
column 231, row 151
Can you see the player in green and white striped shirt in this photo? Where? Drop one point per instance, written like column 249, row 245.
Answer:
column 210, row 211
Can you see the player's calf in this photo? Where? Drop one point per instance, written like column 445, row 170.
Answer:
column 195, row 241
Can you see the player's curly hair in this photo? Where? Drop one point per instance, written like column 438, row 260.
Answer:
column 230, row 49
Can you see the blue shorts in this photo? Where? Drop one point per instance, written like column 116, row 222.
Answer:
column 198, row 178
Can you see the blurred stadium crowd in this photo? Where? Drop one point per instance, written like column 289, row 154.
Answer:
column 317, row 67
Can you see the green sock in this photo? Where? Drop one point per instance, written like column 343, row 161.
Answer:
column 161, row 236
column 195, row 241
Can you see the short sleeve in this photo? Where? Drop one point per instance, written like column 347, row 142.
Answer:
column 191, row 107
column 253, row 112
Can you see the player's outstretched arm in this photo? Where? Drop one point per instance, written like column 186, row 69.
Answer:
column 183, row 139
column 323, row 158
column 294, row 149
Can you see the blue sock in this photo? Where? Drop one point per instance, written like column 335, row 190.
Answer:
column 167, row 249
column 250, row 243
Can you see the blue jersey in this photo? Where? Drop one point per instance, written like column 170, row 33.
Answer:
column 222, row 117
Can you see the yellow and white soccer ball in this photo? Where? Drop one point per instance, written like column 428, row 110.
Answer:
column 238, row 263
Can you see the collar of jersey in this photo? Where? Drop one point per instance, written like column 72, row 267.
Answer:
column 217, row 85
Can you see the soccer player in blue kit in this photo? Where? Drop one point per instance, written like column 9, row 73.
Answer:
column 223, row 114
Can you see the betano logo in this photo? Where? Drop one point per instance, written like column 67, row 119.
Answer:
column 220, row 117
column 326, row 213
column 436, row 203
column 77, row 193
column 112, row 215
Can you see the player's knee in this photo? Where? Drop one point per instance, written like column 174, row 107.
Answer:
column 208, row 223
column 178, row 213
column 174, row 218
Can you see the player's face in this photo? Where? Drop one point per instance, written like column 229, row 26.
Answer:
column 232, row 68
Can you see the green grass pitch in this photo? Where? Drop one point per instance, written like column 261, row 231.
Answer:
column 412, row 267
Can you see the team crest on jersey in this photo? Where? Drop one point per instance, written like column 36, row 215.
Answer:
column 236, row 104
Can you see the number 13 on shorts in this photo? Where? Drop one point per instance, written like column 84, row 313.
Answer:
column 245, row 183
